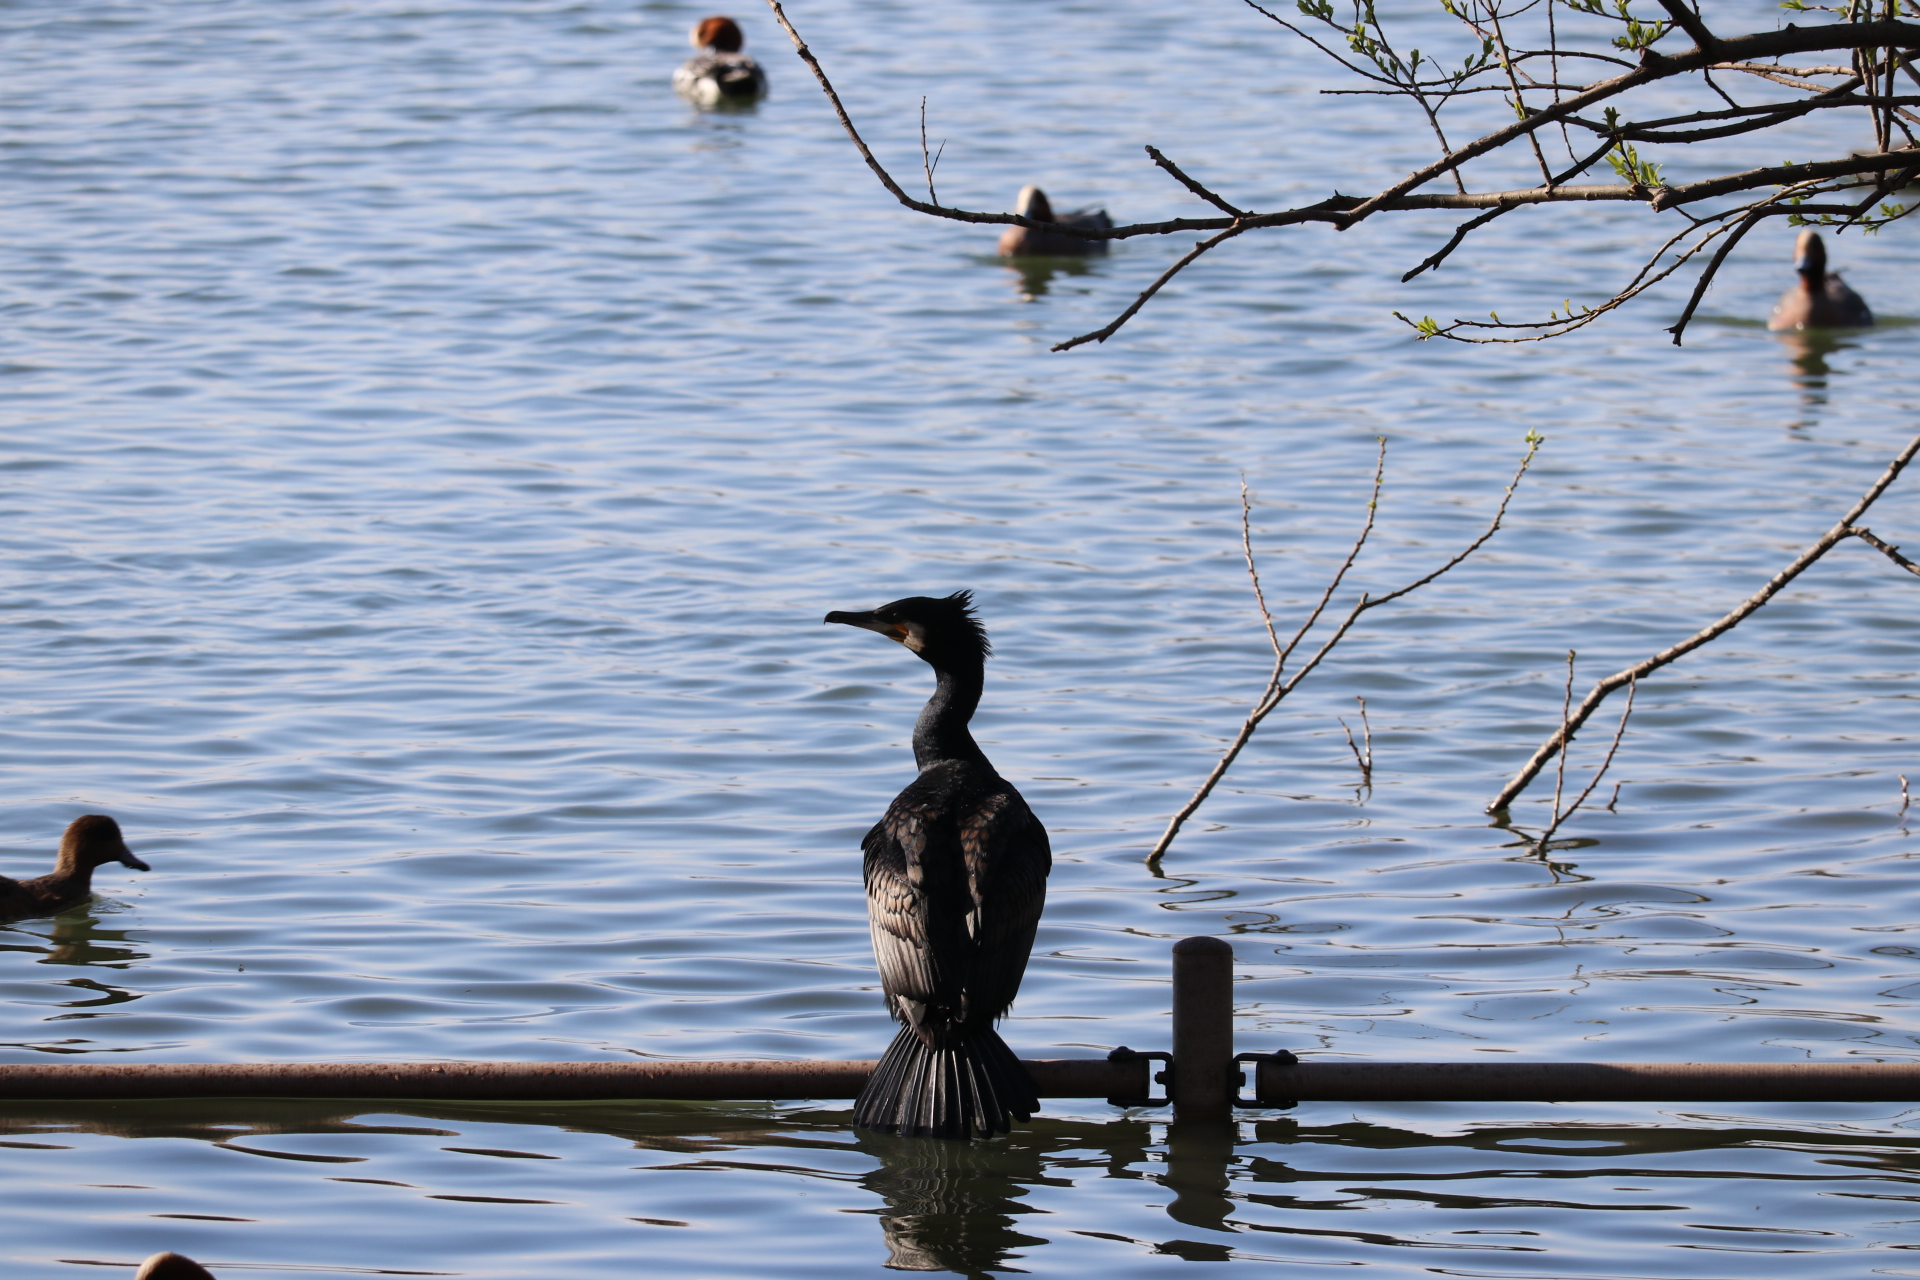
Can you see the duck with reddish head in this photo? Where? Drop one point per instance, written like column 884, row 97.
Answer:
column 91, row 841
column 720, row 73
column 1821, row 300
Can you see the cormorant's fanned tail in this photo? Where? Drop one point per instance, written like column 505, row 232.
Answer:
column 966, row 1088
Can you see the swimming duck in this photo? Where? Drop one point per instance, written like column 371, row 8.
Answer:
column 1019, row 242
column 1821, row 300
column 721, row 73
column 91, row 840
column 172, row 1266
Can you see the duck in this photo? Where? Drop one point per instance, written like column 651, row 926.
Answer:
column 1023, row 242
column 171, row 1266
column 720, row 73
column 1821, row 300
column 91, row 840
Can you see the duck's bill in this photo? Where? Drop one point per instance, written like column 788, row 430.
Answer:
column 865, row 621
column 127, row 857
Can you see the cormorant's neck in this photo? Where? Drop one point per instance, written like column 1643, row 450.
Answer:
column 941, row 733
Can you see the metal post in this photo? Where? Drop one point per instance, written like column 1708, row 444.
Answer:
column 1205, row 1077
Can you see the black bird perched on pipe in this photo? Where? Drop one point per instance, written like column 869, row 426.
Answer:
column 956, row 876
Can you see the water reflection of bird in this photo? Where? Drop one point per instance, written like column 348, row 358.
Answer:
column 1821, row 300
column 91, row 841
column 956, row 875
column 171, row 1266
column 1022, row 242
column 954, row 1206
column 720, row 73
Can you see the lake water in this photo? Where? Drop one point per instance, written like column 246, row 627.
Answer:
column 430, row 447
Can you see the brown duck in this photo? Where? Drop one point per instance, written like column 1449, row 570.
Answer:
column 1821, row 300
column 91, row 840
column 1024, row 242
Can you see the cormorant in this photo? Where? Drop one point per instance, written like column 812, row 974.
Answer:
column 1020, row 242
column 720, row 73
column 91, row 840
column 1821, row 300
column 956, row 875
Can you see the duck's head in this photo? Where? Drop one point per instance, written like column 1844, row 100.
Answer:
column 94, row 840
column 943, row 630
column 719, row 34
column 1033, row 204
column 172, row 1266
column 1810, row 257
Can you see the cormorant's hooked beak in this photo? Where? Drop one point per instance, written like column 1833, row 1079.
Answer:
column 867, row 622
column 127, row 857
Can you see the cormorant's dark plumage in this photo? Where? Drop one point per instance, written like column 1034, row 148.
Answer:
column 956, row 876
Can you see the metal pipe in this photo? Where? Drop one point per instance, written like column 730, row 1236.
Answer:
column 1204, row 1077
column 1589, row 1082
column 519, row 1081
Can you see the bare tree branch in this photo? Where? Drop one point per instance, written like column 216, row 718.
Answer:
column 1591, row 703
column 1689, row 21
column 1279, row 685
column 1559, row 818
column 1362, row 758
column 1180, row 177
column 1364, row 50
column 1892, row 553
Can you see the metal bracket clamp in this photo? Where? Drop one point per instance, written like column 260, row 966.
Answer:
column 1124, row 1054
column 1283, row 1057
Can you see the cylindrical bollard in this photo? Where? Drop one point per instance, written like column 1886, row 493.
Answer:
column 1204, row 1077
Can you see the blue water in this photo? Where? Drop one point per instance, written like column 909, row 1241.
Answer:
column 430, row 447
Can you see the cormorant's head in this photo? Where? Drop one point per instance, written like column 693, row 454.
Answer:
column 1810, row 256
column 718, row 33
column 1033, row 204
column 942, row 629
column 94, row 839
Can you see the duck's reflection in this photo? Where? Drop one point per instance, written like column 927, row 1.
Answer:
column 1808, row 350
column 1032, row 276
column 72, row 937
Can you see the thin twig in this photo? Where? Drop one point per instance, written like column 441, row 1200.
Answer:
column 1892, row 553
column 1362, row 758
column 1598, row 694
column 1615, row 799
column 1700, row 286
column 929, row 165
column 1217, row 201
column 1108, row 330
column 1558, row 817
column 1279, row 686
column 1560, row 771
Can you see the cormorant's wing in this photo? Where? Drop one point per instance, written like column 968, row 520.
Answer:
column 955, row 885
column 1008, row 858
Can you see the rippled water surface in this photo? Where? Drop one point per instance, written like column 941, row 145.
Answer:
column 430, row 447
